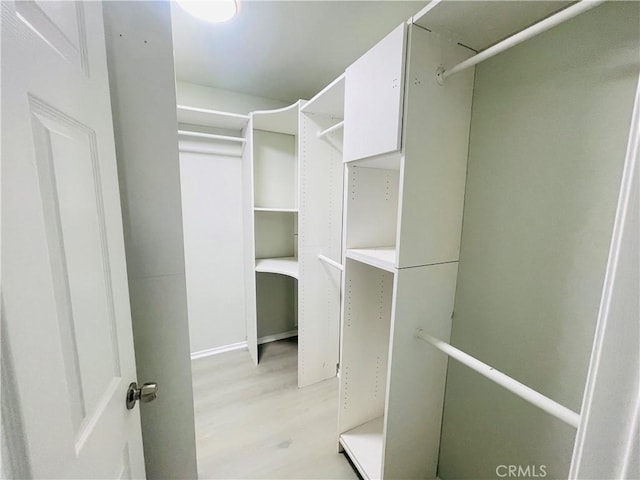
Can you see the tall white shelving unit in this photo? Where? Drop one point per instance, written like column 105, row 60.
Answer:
column 321, row 192
column 293, row 203
column 405, row 148
column 271, row 205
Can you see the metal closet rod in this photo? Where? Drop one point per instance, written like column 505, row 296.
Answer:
column 328, row 261
column 535, row 29
column 212, row 136
column 331, row 129
column 526, row 393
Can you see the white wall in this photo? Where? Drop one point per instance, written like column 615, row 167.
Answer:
column 212, row 222
column 193, row 95
column 548, row 136
column 142, row 83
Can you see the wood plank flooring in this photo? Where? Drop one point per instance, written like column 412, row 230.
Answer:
column 254, row 422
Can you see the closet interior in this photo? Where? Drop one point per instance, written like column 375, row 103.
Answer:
column 421, row 207
column 291, row 209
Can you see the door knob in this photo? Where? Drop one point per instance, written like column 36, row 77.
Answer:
column 147, row 393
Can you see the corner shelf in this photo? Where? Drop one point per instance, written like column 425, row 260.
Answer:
column 283, row 120
column 283, row 265
column 363, row 444
column 379, row 257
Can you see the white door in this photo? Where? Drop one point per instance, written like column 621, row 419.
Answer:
column 67, row 342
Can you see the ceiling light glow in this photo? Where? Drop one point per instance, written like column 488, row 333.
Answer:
column 212, row 11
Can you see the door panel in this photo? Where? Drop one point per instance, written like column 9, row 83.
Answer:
column 65, row 294
column 374, row 86
column 61, row 25
column 70, row 190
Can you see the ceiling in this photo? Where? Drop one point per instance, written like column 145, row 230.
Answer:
column 283, row 50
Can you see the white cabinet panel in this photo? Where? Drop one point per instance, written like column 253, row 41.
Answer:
column 435, row 145
column 249, row 244
column 374, row 87
column 424, row 298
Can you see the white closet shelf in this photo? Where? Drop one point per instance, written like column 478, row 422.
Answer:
column 329, row 101
column 280, row 210
column 283, row 120
column 211, row 118
column 282, row 265
column 379, row 257
column 363, row 444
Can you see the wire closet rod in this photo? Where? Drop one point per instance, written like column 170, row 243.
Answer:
column 328, row 261
column 526, row 393
column 530, row 32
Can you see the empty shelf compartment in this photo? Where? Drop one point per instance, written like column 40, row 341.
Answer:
column 363, row 444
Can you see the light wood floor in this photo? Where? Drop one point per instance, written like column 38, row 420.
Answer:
column 254, row 422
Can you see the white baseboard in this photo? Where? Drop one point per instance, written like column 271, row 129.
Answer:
column 277, row 336
column 240, row 345
column 217, row 350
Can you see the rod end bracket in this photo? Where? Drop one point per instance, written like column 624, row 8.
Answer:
column 440, row 76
